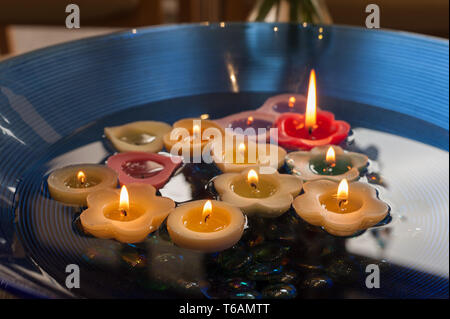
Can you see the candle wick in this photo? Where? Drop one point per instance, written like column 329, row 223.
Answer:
column 206, row 218
column 253, row 185
column 123, row 212
column 310, row 129
column 342, row 203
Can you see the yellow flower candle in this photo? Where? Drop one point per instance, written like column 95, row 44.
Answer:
column 142, row 136
column 267, row 195
column 72, row 184
column 128, row 215
column 341, row 209
column 237, row 156
column 191, row 136
column 206, row 225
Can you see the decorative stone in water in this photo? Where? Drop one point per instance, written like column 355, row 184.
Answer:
column 344, row 270
column 262, row 272
column 316, row 281
column 240, row 284
column 134, row 259
column 234, row 260
column 279, row 291
column 269, row 252
column 250, row 294
column 286, row 277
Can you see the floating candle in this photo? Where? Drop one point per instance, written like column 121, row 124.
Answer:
column 142, row 136
column 267, row 195
column 253, row 124
column 326, row 162
column 315, row 128
column 284, row 103
column 72, row 184
column 146, row 168
column 190, row 136
column 341, row 209
column 233, row 155
column 127, row 215
column 206, row 225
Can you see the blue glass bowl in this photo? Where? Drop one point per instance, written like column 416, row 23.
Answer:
column 50, row 94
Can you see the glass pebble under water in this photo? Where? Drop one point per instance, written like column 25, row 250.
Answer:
column 281, row 258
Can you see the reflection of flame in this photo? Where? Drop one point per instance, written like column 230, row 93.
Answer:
column 124, row 203
column 249, row 120
column 196, row 131
column 81, row 177
column 310, row 120
column 207, row 210
column 291, row 102
column 331, row 155
column 252, row 177
column 342, row 193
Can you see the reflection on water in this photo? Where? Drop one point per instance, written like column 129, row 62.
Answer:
column 276, row 258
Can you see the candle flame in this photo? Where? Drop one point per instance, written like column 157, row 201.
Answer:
column 196, row 131
column 242, row 148
column 310, row 117
column 81, row 177
column 207, row 210
column 204, row 116
column 331, row 155
column 249, row 120
column 342, row 193
column 252, row 177
column 124, row 203
column 291, row 102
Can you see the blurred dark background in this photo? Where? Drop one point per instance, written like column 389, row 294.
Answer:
column 29, row 24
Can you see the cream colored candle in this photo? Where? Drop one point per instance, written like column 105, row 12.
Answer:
column 342, row 209
column 72, row 184
column 127, row 215
column 326, row 162
column 142, row 136
column 191, row 135
column 267, row 195
column 206, row 225
column 236, row 156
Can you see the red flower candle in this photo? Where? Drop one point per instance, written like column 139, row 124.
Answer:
column 314, row 128
column 144, row 168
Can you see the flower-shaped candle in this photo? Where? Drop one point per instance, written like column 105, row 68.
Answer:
column 146, row 168
column 206, row 225
column 254, row 124
column 267, row 195
column 326, row 162
column 284, row 103
column 233, row 156
column 125, row 215
column 142, row 136
column 314, row 128
column 341, row 209
column 190, row 136
column 72, row 184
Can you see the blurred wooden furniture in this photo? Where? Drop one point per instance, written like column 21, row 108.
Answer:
column 428, row 17
column 114, row 13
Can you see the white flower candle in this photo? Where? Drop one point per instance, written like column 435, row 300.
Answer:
column 267, row 195
column 206, row 225
column 142, row 136
column 342, row 209
column 72, row 184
